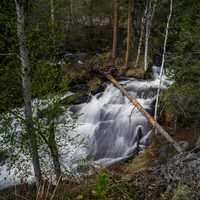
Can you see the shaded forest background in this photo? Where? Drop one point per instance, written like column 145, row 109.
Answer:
column 86, row 27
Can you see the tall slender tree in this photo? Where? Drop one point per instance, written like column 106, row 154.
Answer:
column 52, row 7
column 54, row 150
column 141, row 37
column 149, row 17
column 52, row 15
column 115, row 29
column 26, row 84
column 129, row 32
column 163, row 58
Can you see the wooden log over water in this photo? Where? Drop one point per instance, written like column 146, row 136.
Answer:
column 151, row 120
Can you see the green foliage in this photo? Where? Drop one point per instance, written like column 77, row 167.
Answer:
column 99, row 61
column 48, row 79
column 10, row 83
column 101, row 186
column 184, row 61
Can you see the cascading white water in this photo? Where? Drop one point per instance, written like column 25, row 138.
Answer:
column 108, row 130
column 114, row 129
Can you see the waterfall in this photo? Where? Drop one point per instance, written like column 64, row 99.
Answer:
column 113, row 128
column 108, row 130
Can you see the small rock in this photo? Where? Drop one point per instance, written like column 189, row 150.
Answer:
column 79, row 197
column 185, row 145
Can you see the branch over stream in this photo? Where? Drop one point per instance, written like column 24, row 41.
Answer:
column 151, row 120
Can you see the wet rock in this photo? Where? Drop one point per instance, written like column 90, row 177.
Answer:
column 99, row 89
column 75, row 56
column 184, row 145
column 82, row 98
column 79, row 87
column 3, row 157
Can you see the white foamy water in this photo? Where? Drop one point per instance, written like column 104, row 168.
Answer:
column 108, row 130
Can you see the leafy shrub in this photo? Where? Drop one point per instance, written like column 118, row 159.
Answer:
column 47, row 79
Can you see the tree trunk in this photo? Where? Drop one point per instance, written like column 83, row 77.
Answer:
column 146, row 42
column 91, row 6
column 115, row 28
column 26, row 84
column 70, row 15
column 54, row 151
column 141, row 37
column 129, row 32
column 52, row 15
column 163, row 59
column 146, row 114
column 53, row 21
column 149, row 18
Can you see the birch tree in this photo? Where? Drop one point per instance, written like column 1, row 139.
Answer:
column 26, row 84
column 141, row 37
column 163, row 59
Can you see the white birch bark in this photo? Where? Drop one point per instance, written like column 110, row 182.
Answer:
column 141, row 37
column 26, row 84
column 163, row 59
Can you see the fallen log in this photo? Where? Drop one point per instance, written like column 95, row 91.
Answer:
column 151, row 120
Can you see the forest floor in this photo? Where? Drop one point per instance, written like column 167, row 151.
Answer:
column 158, row 173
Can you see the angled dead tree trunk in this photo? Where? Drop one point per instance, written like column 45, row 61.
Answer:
column 26, row 84
column 163, row 59
column 115, row 28
column 54, row 151
column 151, row 120
column 50, row 140
column 129, row 32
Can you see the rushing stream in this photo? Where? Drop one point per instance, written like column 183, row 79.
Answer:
column 115, row 130
column 111, row 129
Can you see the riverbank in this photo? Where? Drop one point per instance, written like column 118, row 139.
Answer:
column 158, row 173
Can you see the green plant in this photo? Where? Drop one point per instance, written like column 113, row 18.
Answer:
column 101, row 186
column 182, row 192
